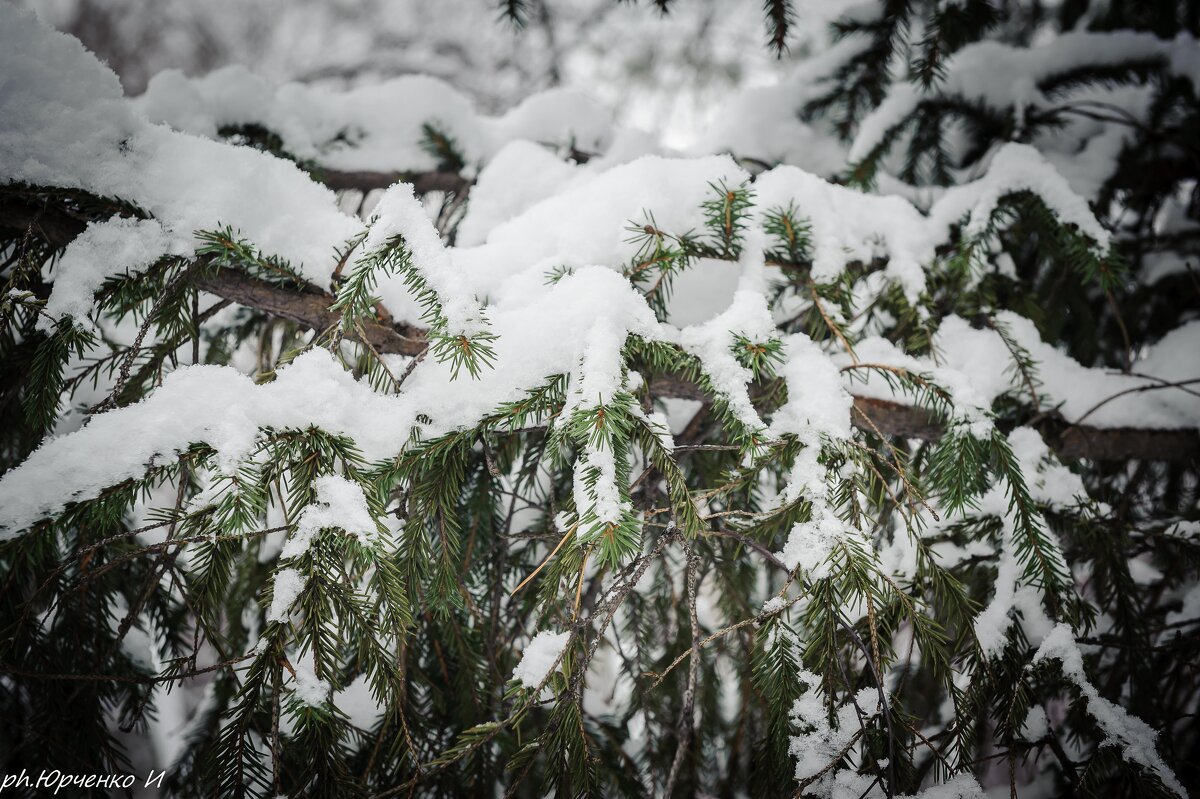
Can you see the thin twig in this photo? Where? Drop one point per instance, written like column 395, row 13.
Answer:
column 687, row 714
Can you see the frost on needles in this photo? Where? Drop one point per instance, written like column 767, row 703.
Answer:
column 564, row 463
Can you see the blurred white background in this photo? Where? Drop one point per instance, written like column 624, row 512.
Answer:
column 661, row 73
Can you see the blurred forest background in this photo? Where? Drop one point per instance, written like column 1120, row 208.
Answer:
column 658, row 72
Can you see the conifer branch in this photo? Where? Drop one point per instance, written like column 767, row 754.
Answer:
column 310, row 308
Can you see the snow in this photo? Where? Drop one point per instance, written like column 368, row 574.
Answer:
column 773, row 605
column 1048, row 482
column 103, row 250
column 1077, row 389
column 56, row 131
column 603, row 501
column 817, row 402
column 288, row 585
column 1133, row 736
column 993, row 622
column 599, row 377
column 763, row 122
column 818, row 741
column 383, row 121
column 902, row 100
column 80, row 133
column 748, row 316
column 586, row 223
column 969, row 404
column 541, row 655
column 967, row 366
column 541, row 332
column 519, row 176
column 1015, row 168
column 1189, row 611
column 601, row 368
column 849, row 226
column 712, row 342
column 64, row 122
column 184, row 182
column 358, row 702
column 661, row 427
column 539, row 335
column 960, row 786
column 555, row 116
column 1036, row 725
column 214, row 404
column 400, row 213
column 307, row 687
column 340, row 503
column 1002, row 76
column 567, row 216
column 817, row 408
column 847, row 784
column 810, row 544
column 1087, row 151
column 702, row 291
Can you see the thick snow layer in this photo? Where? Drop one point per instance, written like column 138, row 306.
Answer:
column 817, row 402
column 104, row 249
column 587, row 222
column 763, row 122
column 712, row 343
column 1016, row 168
column 539, row 657
column 522, row 174
column 968, row 359
column 541, row 334
column 851, row 226
column 188, row 184
column 600, row 376
column 564, row 216
column 214, row 404
column 340, row 503
column 1130, row 734
column 62, row 112
column 78, row 132
column 1002, row 76
column 400, row 213
column 377, row 127
column 817, row 407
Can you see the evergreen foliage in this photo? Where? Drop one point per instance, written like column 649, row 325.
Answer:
column 749, row 605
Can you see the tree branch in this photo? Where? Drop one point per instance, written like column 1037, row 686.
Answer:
column 310, row 307
column 423, row 182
